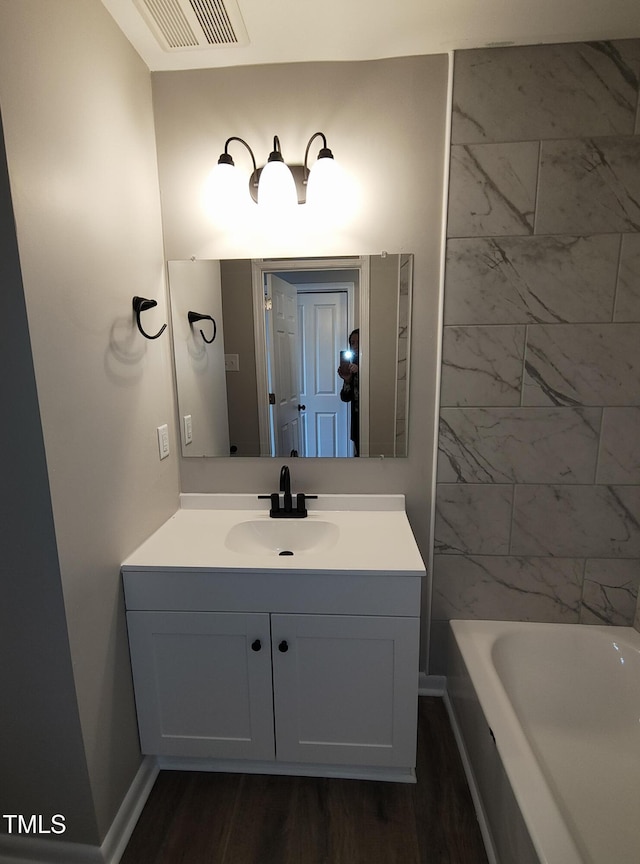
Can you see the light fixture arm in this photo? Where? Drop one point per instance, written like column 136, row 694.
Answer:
column 324, row 153
column 276, row 153
column 227, row 159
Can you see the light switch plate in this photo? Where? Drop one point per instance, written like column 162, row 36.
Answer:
column 188, row 429
column 232, row 362
column 163, row 441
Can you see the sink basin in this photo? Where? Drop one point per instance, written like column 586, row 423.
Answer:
column 282, row 536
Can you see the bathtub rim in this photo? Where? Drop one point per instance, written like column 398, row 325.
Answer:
column 551, row 837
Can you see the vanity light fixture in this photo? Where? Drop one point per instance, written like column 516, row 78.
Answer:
column 277, row 184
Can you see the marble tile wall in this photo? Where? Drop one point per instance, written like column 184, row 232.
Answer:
column 538, row 485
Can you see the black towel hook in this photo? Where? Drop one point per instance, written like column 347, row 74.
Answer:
column 196, row 316
column 141, row 304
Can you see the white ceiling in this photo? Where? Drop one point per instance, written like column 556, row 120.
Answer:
column 292, row 31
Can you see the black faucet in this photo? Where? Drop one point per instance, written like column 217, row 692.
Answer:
column 287, row 511
column 285, row 487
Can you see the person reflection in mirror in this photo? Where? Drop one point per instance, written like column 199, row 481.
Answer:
column 351, row 388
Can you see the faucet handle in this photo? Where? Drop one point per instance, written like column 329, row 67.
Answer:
column 274, row 497
column 301, row 500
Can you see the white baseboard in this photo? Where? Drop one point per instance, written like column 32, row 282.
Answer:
column 483, row 822
column 28, row 849
column 121, row 829
column 432, row 685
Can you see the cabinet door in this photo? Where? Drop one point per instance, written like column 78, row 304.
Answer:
column 345, row 689
column 203, row 683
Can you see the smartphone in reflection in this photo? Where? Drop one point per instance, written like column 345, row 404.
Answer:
column 346, row 358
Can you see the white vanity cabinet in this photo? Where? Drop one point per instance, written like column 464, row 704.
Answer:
column 276, row 670
column 246, row 661
column 325, row 689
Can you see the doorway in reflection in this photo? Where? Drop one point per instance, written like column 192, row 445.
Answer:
column 307, row 317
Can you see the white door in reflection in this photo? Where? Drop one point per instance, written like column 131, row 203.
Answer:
column 322, row 333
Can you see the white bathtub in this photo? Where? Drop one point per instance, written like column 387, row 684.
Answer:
column 548, row 716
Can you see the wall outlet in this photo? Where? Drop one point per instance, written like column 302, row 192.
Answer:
column 163, row 441
column 232, row 362
column 188, row 429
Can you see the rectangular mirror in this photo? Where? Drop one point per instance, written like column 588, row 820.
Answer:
column 257, row 351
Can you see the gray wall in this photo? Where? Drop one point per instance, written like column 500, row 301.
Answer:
column 36, row 678
column 78, row 126
column 538, row 495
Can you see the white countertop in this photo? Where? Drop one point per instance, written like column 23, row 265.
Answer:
column 374, row 536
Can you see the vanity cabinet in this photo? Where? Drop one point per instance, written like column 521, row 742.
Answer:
column 244, row 660
column 276, row 672
column 294, row 688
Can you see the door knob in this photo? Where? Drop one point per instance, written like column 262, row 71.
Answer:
column 283, row 647
column 256, row 645
column 302, row 407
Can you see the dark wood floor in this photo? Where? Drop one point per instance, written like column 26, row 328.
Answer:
column 205, row 818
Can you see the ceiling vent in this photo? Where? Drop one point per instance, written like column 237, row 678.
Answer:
column 181, row 25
